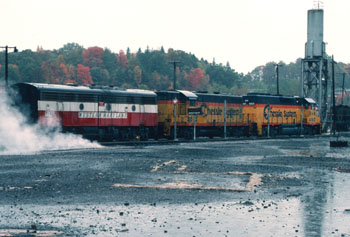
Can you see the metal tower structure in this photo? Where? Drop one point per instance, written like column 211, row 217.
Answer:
column 315, row 64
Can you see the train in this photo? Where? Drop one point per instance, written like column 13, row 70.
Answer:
column 109, row 113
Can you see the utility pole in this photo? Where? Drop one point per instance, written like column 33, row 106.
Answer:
column 333, row 96
column 174, row 63
column 342, row 92
column 277, row 77
column 7, row 61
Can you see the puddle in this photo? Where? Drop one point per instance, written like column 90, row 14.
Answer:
column 240, row 218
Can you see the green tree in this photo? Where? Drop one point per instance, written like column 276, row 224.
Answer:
column 100, row 76
column 72, row 53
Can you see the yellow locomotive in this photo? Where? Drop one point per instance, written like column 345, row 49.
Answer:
column 200, row 114
column 281, row 115
column 203, row 114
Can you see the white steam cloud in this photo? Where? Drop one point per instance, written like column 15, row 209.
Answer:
column 19, row 137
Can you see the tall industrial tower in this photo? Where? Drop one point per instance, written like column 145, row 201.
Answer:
column 315, row 63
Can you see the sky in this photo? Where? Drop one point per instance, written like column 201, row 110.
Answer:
column 245, row 33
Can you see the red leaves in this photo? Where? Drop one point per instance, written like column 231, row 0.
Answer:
column 194, row 78
column 83, row 75
column 92, row 56
column 122, row 59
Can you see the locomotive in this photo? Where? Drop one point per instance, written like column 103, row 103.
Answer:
column 282, row 115
column 112, row 113
column 96, row 112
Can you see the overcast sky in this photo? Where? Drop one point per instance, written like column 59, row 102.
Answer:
column 245, row 33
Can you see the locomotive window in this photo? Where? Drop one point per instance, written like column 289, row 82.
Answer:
column 192, row 102
column 137, row 100
column 108, row 98
column 128, row 99
column 66, row 97
column 51, row 96
column 149, row 100
column 86, row 98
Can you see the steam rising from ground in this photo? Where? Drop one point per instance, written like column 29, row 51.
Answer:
column 18, row 137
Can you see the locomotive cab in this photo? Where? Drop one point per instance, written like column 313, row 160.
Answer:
column 185, row 104
column 311, row 121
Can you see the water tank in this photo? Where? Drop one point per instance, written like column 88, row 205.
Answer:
column 315, row 47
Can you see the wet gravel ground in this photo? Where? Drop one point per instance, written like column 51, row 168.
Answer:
column 274, row 187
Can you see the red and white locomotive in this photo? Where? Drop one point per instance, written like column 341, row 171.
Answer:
column 97, row 112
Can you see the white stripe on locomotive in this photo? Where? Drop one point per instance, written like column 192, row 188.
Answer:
column 94, row 107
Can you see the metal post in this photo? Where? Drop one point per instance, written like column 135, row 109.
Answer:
column 268, row 121
column 301, row 119
column 6, row 66
column 278, row 87
column 333, row 97
column 175, row 121
column 174, row 75
column 225, row 119
column 277, row 77
column 7, row 61
column 174, row 63
column 194, row 127
column 302, row 78
column 342, row 92
column 320, row 104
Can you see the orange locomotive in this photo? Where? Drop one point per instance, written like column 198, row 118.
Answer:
column 203, row 114
column 200, row 114
column 281, row 115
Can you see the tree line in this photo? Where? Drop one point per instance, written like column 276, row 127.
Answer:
column 147, row 69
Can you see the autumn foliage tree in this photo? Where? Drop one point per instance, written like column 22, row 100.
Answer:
column 148, row 69
column 92, row 56
column 122, row 59
column 83, row 75
column 194, row 78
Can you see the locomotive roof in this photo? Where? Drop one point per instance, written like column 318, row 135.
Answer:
column 220, row 98
column 88, row 89
column 270, row 99
column 276, row 99
column 310, row 101
column 188, row 94
column 181, row 93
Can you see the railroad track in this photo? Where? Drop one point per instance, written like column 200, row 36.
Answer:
column 201, row 140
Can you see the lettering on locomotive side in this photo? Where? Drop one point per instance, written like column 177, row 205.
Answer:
column 233, row 112
column 102, row 115
column 279, row 113
column 276, row 114
column 215, row 111
column 290, row 114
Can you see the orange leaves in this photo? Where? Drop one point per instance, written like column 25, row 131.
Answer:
column 83, row 75
column 194, row 78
